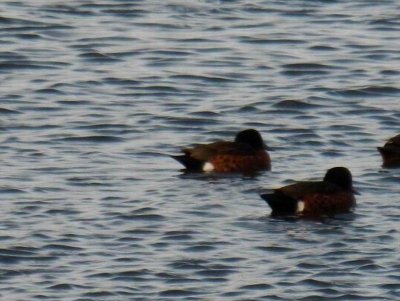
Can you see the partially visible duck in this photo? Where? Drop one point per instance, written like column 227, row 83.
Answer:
column 333, row 195
column 246, row 154
column 390, row 152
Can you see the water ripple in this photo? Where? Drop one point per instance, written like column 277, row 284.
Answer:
column 95, row 94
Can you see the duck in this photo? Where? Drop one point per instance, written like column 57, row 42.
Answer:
column 390, row 152
column 333, row 195
column 247, row 153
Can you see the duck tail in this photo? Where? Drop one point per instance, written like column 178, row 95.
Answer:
column 280, row 203
column 382, row 150
column 389, row 150
column 188, row 162
column 390, row 156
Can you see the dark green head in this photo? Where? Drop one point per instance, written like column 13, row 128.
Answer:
column 252, row 138
column 341, row 177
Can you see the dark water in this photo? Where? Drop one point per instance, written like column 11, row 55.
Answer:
column 95, row 93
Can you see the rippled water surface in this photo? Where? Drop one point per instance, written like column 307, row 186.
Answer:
column 96, row 94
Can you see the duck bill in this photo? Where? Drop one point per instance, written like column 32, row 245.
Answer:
column 354, row 191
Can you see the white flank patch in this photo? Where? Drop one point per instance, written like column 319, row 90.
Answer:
column 208, row 167
column 300, row 207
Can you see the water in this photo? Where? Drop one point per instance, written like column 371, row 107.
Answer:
column 95, row 94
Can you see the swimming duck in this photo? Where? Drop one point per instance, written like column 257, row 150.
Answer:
column 390, row 152
column 333, row 195
column 247, row 153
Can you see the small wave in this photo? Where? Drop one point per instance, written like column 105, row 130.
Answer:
column 390, row 72
column 368, row 91
column 74, row 102
column 8, row 111
column 275, row 249
column 216, row 272
column 160, row 88
column 299, row 69
column 92, row 139
column 294, row 104
column 323, row 48
column 104, row 126
column 120, row 81
column 11, row 190
column 59, row 247
column 251, row 40
column 50, row 91
column 315, row 283
column 143, row 217
column 62, row 212
column 177, row 235
column 127, row 13
column 162, row 25
column 132, row 273
column 28, row 36
column 170, row 53
column 62, row 286
column 178, row 293
column 258, row 286
column 67, row 10
column 298, row 12
column 304, row 72
column 25, row 65
column 14, row 259
column 185, row 121
column 200, row 248
column 10, row 259
column 205, row 114
column 19, row 21
column 307, row 66
column 98, row 57
column 99, row 295
column 204, row 78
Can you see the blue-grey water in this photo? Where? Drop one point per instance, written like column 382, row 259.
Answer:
column 95, row 94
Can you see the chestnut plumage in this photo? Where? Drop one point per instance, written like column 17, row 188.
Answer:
column 333, row 195
column 247, row 153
